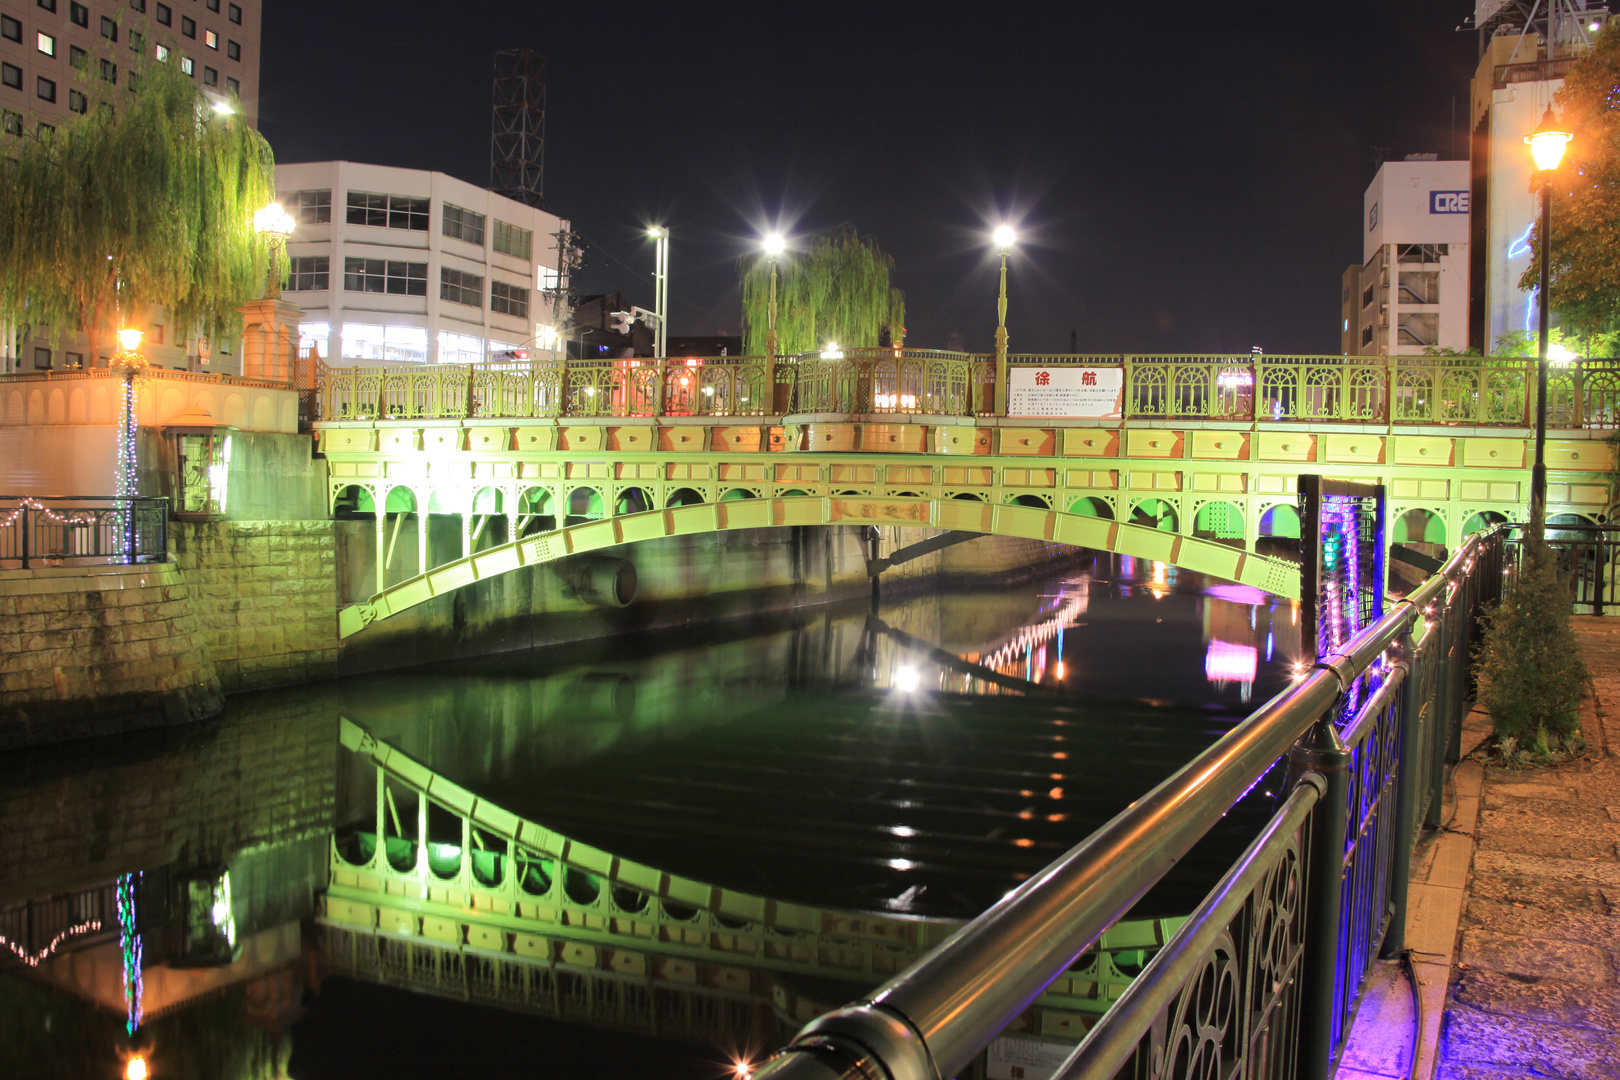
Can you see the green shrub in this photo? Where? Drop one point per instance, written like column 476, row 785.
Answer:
column 1531, row 672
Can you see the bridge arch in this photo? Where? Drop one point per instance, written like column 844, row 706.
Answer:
column 685, row 497
column 1419, row 525
column 1027, row 522
column 1280, row 520
column 1157, row 514
column 1218, row 519
column 632, row 500
column 1093, row 506
column 1040, row 502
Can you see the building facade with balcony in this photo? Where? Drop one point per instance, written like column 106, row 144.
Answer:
column 1413, row 283
column 401, row 266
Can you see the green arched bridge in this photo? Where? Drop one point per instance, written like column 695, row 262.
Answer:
column 1198, row 466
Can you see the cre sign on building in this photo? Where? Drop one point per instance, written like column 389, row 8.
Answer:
column 1093, row 393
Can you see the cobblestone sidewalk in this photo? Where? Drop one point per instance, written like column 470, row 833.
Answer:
column 1535, row 985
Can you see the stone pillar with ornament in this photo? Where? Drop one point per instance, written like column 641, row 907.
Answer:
column 270, row 339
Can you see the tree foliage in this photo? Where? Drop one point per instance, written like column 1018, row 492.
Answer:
column 146, row 199
column 1584, row 262
column 837, row 290
column 1531, row 672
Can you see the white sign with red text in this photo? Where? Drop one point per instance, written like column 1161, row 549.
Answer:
column 1093, row 393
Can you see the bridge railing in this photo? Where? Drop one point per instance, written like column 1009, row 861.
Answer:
column 1263, row 979
column 1314, row 389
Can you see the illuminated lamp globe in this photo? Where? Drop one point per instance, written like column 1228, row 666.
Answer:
column 135, row 1068
column 129, row 339
column 274, row 221
column 774, row 244
column 1004, row 236
column 1560, row 354
column 1547, row 143
column 657, row 232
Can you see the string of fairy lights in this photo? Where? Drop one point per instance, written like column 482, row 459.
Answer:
column 35, row 959
column 129, row 940
column 25, row 504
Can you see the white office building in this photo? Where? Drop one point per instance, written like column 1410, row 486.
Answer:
column 1414, row 274
column 400, row 266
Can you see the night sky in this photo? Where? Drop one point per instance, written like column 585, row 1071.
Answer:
column 1187, row 177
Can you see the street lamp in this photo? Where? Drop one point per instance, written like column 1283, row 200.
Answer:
column 660, row 237
column 275, row 225
column 774, row 246
column 1004, row 237
column 1547, row 144
column 126, row 364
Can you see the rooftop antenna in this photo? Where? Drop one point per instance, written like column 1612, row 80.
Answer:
column 518, row 127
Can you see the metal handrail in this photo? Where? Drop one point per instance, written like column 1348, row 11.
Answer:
column 931, row 1019
column 83, row 528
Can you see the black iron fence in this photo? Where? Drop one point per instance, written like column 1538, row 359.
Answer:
column 78, row 529
column 1587, row 557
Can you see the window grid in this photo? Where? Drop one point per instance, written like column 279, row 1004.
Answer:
column 233, row 50
column 210, row 77
column 10, row 29
column 164, row 15
column 235, row 14
column 79, row 15
column 309, row 273
column 109, row 29
column 310, row 207
column 11, row 75
column 77, row 102
column 462, row 224
column 211, row 39
column 512, row 240
column 188, row 26
column 460, row 287
column 509, row 299
column 45, row 89
column 385, row 276
column 387, row 211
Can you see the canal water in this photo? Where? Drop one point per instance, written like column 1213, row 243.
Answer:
column 919, row 757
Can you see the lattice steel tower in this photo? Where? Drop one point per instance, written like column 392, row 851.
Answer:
column 518, row 127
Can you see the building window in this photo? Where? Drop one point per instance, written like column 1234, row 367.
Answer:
column 210, row 39
column 109, row 70
column 509, row 299
column 45, row 89
column 48, row 5
column 164, row 15
column 233, row 86
column 109, row 29
column 45, row 131
column 310, row 207
column 45, row 43
column 388, row 344
column 42, row 359
column 460, row 348
column 309, row 273
column 459, row 287
column 512, row 240
column 385, row 276
column 463, row 224
column 11, row 75
column 235, row 14
column 76, row 57
column 130, row 80
column 79, row 15
column 136, row 42
column 213, row 5
column 1420, row 287
column 1421, row 253
column 1367, row 334
column 388, row 211
column 73, row 359
column 233, row 50
column 77, row 102
column 163, row 54
column 187, row 66
column 155, row 336
column 10, row 29
column 138, row 5
column 546, row 279
column 188, row 26
column 11, row 122
column 210, row 77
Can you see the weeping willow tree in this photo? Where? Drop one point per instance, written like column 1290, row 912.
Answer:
column 838, row 291
column 146, row 199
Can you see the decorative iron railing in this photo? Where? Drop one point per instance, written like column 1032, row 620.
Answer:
column 1416, row 390
column 77, row 529
column 1588, row 560
column 1264, row 978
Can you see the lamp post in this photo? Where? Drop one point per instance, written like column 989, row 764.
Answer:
column 276, row 226
column 1547, row 144
column 126, row 363
column 774, row 246
column 1004, row 237
column 660, row 237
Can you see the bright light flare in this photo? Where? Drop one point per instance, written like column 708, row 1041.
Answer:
column 1560, row 354
column 775, row 244
column 906, row 679
column 1547, row 143
column 223, row 108
column 1005, row 236
column 742, row 1070
column 657, row 232
column 274, row 221
column 832, row 351
column 135, row 1068
column 129, row 339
